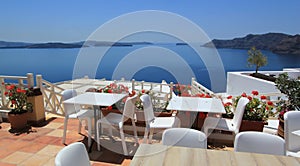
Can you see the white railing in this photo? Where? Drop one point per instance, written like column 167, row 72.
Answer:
column 198, row 88
column 52, row 96
column 52, row 92
column 12, row 79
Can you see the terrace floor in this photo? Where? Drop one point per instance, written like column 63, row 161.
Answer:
column 39, row 145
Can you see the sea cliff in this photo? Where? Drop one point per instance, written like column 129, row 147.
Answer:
column 278, row 43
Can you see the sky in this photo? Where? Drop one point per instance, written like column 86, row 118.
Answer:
column 76, row 20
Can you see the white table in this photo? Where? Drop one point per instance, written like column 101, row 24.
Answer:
column 196, row 105
column 161, row 155
column 96, row 99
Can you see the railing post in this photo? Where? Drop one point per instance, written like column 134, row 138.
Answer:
column 39, row 82
column 30, row 80
column 193, row 80
column 142, row 85
column 3, row 98
column 20, row 82
column 171, row 89
column 132, row 84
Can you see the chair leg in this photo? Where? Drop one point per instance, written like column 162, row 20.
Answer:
column 79, row 126
column 98, row 135
column 146, row 134
column 123, row 142
column 65, row 130
column 89, row 121
column 151, row 135
column 135, row 131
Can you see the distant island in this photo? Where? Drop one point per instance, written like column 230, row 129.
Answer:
column 10, row 45
column 278, row 43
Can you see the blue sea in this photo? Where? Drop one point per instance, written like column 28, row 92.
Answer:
column 166, row 62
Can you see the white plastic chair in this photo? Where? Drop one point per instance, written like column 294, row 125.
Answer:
column 74, row 111
column 114, row 119
column 259, row 142
column 74, row 154
column 184, row 137
column 291, row 124
column 153, row 122
column 232, row 125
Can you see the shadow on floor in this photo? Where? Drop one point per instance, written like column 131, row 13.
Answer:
column 111, row 151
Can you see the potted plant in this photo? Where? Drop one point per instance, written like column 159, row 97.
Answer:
column 291, row 88
column 257, row 59
column 19, row 106
column 256, row 113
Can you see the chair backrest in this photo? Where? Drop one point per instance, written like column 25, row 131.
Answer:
column 292, row 123
column 74, row 154
column 148, row 108
column 259, row 142
column 238, row 114
column 70, row 108
column 184, row 137
column 129, row 108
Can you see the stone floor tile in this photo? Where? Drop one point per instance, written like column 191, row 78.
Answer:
column 50, row 150
column 54, row 125
column 36, row 160
column 50, row 162
column 4, row 152
column 33, row 147
column 17, row 157
column 6, row 164
column 56, row 133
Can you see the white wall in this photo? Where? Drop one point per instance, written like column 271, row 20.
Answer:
column 239, row 82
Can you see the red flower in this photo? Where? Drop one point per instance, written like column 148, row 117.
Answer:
column 229, row 97
column 200, row 95
column 10, row 87
column 249, row 97
column 227, row 104
column 143, row 90
column 21, row 90
column 13, row 101
column 132, row 93
column 255, row 93
column 109, row 91
column 244, row 94
column 270, row 103
column 202, row 115
column 263, row 97
column 207, row 96
column 5, row 93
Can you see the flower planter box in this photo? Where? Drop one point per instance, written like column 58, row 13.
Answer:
column 280, row 130
column 37, row 116
column 248, row 125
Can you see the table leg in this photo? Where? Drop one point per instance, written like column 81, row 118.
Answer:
column 95, row 128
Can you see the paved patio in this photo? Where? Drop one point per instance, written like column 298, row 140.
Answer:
column 37, row 146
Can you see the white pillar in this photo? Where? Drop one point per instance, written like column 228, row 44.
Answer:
column 30, row 80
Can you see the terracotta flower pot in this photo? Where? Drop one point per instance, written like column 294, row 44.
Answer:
column 18, row 121
column 248, row 125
